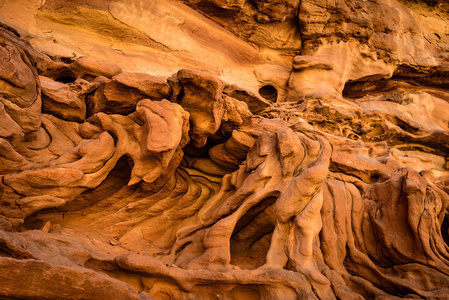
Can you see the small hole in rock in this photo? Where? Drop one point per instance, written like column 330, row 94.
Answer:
column 374, row 178
column 67, row 60
column 445, row 230
column 65, row 79
column 269, row 92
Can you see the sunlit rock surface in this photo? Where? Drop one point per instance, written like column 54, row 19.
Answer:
column 224, row 149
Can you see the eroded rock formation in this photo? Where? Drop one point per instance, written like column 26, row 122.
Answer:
column 223, row 149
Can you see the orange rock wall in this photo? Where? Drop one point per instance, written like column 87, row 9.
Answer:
column 224, row 149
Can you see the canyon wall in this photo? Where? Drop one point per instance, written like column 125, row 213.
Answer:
column 224, row 149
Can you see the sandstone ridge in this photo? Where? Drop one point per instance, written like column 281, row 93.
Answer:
column 222, row 149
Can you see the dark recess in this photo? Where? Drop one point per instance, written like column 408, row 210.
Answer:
column 269, row 92
column 65, row 79
column 445, row 230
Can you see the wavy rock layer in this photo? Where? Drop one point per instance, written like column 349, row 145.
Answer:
column 224, row 149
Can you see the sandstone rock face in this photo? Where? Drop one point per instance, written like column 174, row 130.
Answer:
column 224, row 149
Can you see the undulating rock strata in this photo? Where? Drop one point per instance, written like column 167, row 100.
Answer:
column 224, row 149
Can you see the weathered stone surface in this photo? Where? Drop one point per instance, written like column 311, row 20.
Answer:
column 224, row 149
column 153, row 87
column 89, row 66
column 256, row 104
column 36, row 279
column 121, row 94
column 20, row 92
column 202, row 98
column 59, row 100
